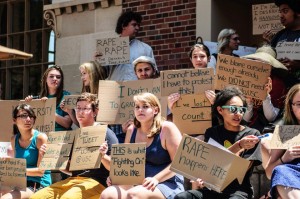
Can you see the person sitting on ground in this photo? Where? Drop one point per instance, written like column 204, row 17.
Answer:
column 283, row 166
column 26, row 143
column 52, row 85
column 162, row 139
column 84, row 183
column 229, row 106
column 91, row 72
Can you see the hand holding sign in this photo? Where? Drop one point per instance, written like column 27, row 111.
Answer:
column 291, row 154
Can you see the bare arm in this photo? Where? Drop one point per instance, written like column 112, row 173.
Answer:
column 171, row 138
column 70, row 112
column 105, row 159
column 41, row 139
column 64, row 121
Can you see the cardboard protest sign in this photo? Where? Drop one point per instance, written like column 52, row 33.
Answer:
column 59, row 147
column 86, row 153
column 13, row 174
column 113, row 51
column 3, row 148
column 56, row 157
column 192, row 114
column 44, row 111
column 58, row 137
column 289, row 50
column 70, row 101
column 127, row 166
column 197, row 159
column 116, row 103
column 188, row 81
column 285, row 137
column 265, row 17
column 249, row 75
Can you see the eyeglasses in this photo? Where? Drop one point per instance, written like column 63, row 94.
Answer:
column 296, row 104
column 86, row 110
column 235, row 109
column 236, row 39
column 24, row 116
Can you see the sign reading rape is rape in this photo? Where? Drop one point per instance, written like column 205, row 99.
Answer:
column 192, row 114
column 116, row 98
column 197, row 159
column 113, row 51
column 265, row 17
column 12, row 174
column 249, row 75
column 127, row 165
column 189, row 81
column 44, row 111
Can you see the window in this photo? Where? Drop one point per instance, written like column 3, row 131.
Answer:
column 23, row 27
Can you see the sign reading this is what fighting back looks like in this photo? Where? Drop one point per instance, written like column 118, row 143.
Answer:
column 127, row 165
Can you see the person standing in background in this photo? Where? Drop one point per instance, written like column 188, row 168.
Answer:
column 91, row 72
column 52, row 85
column 228, row 41
column 128, row 25
column 289, row 11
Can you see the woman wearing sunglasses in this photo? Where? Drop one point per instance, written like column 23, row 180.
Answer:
column 229, row 106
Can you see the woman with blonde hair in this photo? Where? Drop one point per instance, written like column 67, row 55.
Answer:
column 162, row 139
column 91, row 73
column 284, row 164
column 228, row 41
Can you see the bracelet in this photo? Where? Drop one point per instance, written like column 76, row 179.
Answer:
column 240, row 144
column 281, row 161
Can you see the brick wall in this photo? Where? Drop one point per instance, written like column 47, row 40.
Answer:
column 169, row 27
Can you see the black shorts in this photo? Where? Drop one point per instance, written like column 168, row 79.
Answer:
column 34, row 186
